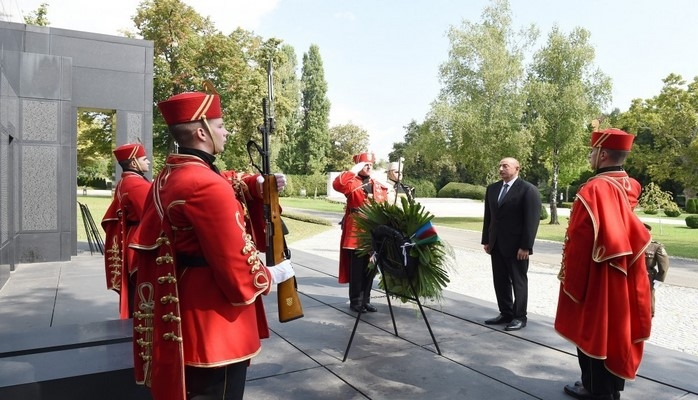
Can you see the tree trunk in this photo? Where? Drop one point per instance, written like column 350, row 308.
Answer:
column 553, row 190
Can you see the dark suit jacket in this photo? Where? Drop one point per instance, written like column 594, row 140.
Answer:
column 513, row 224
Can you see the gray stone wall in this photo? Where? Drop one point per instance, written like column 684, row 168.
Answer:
column 46, row 75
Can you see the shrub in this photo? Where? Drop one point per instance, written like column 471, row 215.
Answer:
column 543, row 212
column 311, row 184
column 692, row 221
column 422, row 187
column 653, row 198
column 692, row 206
column 672, row 210
column 462, row 191
column 650, row 210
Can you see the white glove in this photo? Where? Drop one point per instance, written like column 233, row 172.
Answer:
column 657, row 284
column 281, row 272
column 280, row 181
column 357, row 168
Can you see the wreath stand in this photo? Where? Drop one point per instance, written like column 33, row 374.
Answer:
column 383, row 235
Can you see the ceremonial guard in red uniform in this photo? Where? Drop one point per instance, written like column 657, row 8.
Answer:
column 359, row 188
column 604, row 301
column 120, row 222
column 199, row 313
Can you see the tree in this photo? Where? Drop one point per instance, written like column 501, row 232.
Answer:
column 346, row 140
column 667, row 134
column 423, row 151
column 188, row 50
column 39, row 17
column 481, row 101
column 564, row 93
column 288, row 158
column 313, row 140
column 176, row 31
column 654, row 199
column 96, row 137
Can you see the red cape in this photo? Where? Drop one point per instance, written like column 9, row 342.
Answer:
column 604, row 300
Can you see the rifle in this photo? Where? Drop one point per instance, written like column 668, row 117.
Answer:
column 289, row 303
column 409, row 191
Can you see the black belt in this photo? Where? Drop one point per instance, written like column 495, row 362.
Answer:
column 185, row 260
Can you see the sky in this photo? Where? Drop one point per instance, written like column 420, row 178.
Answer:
column 381, row 57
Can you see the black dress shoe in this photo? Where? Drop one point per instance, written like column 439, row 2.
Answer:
column 580, row 392
column 515, row 325
column 370, row 307
column 357, row 308
column 500, row 319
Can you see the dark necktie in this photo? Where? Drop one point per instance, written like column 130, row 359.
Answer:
column 504, row 193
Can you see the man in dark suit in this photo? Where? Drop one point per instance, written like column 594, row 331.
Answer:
column 512, row 215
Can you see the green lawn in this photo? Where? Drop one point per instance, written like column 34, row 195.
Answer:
column 298, row 229
column 679, row 240
column 309, row 203
column 98, row 206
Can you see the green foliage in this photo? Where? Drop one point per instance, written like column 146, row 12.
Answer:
column 650, row 210
column 38, row 17
column 653, row 199
column 543, row 213
column 96, row 139
column 188, row 50
column 692, row 221
column 666, row 147
column 313, row 140
column 313, row 184
column 431, row 275
column 481, row 102
column 565, row 91
column 422, row 187
column 692, row 206
column 288, row 94
column 672, row 210
column 463, row 191
column 307, row 218
column 346, row 140
column 423, row 151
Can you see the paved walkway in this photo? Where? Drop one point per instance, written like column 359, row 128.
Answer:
column 303, row 358
column 675, row 325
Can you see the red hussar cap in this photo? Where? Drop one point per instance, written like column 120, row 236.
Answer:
column 612, row 139
column 129, row 151
column 190, row 106
column 364, row 157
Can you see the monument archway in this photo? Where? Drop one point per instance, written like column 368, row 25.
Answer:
column 46, row 75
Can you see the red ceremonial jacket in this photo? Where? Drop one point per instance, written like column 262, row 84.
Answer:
column 604, row 300
column 351, row 185
column 199, row 278
column 119, row 224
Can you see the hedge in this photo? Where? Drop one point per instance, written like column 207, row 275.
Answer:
column 313, row 185
column 692, row 221
column 462, row 191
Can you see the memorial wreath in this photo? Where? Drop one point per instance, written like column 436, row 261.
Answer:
column 404, row 246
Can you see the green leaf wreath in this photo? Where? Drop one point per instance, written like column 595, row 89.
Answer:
column 433, row 255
